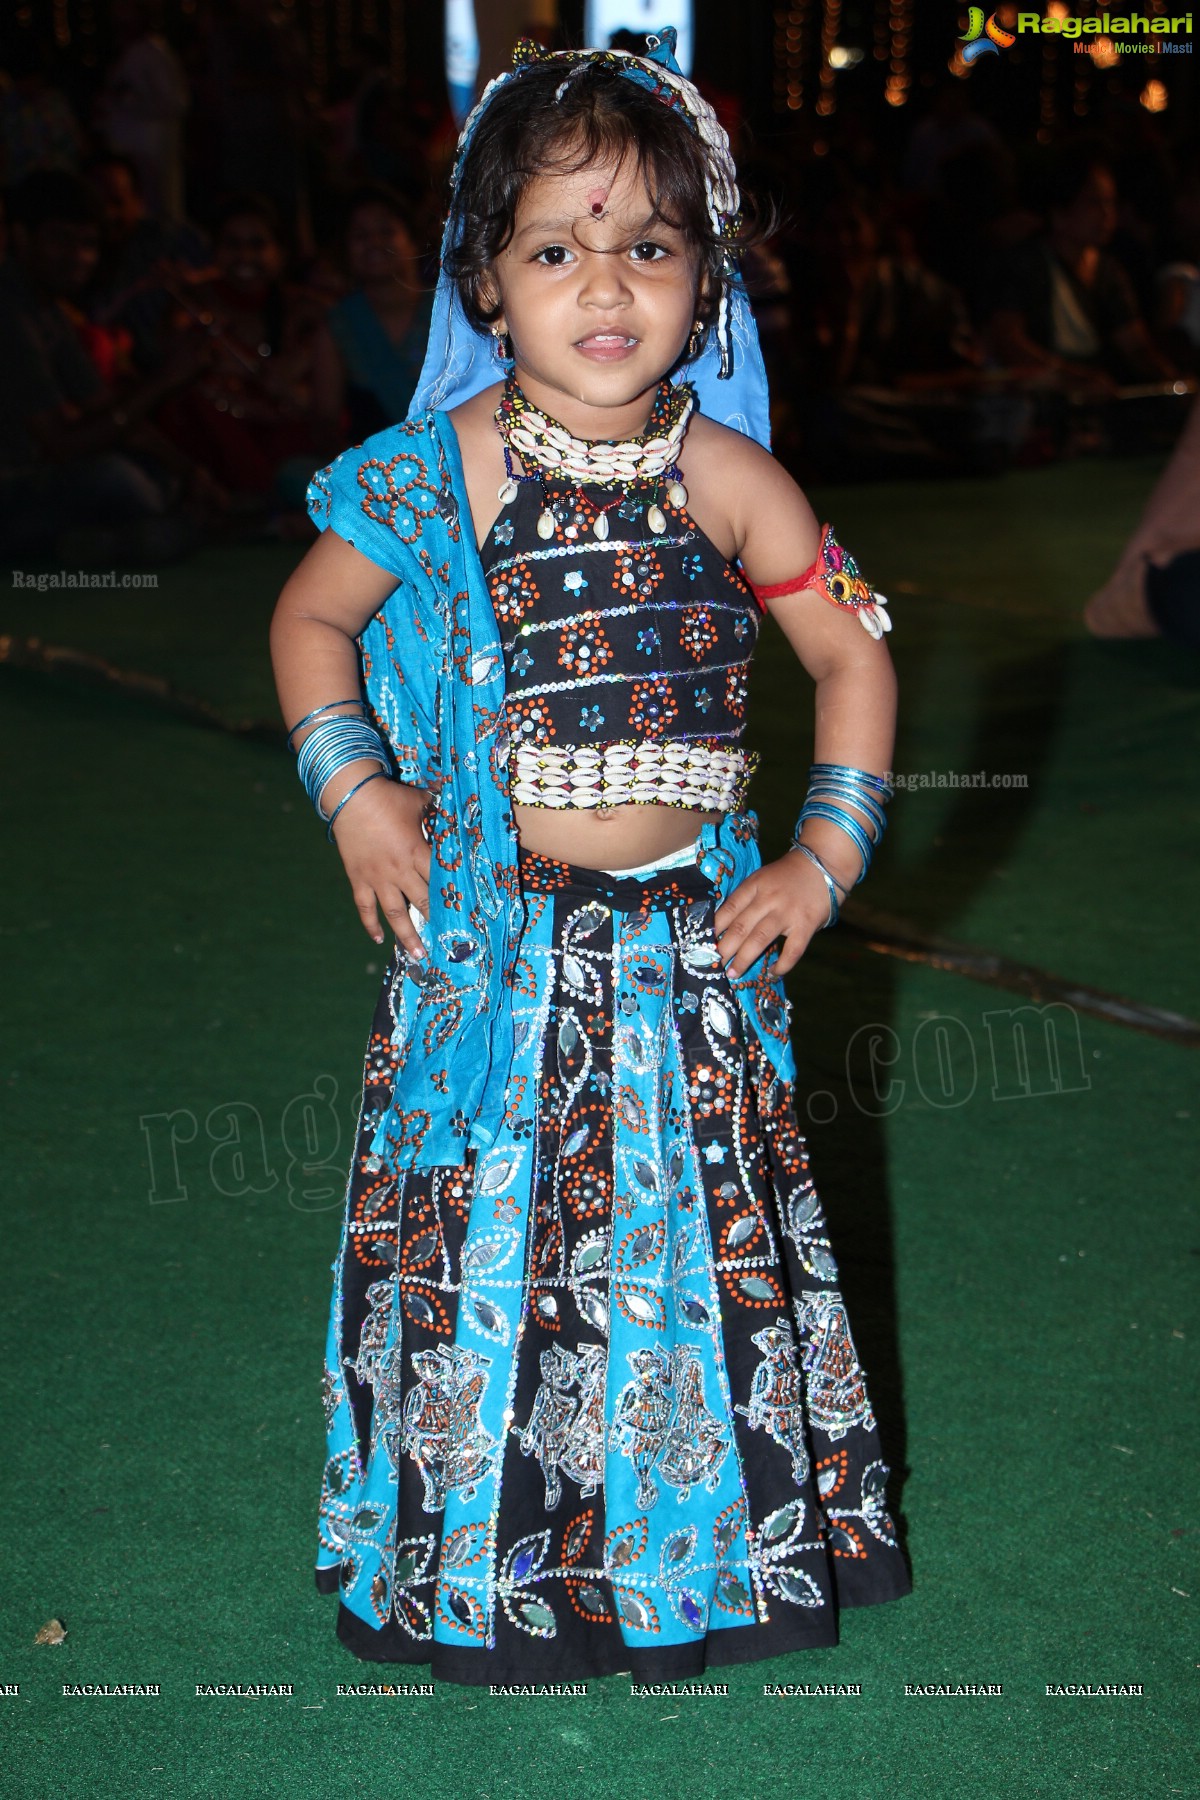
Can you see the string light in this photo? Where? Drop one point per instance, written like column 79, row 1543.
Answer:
column 779, row 60
column 791, row 41
column 1154, row 96
column 830, row 26
column 899, row 77
column 880, row 31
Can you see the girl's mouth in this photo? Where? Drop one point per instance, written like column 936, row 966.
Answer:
column 606, row 346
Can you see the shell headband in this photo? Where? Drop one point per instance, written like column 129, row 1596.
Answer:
column 460, row 361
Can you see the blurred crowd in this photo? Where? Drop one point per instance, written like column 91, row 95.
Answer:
column 211, row 282
column 975, row 304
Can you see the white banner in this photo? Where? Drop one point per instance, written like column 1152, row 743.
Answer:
column 603, row 17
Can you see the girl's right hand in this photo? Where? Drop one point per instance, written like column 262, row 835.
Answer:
column 386, row 858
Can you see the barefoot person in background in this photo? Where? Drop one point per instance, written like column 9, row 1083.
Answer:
column 1154, row 591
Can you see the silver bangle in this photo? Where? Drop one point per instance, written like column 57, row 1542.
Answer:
column 830, row 883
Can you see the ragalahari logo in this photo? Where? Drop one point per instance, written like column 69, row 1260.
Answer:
column 983, row 37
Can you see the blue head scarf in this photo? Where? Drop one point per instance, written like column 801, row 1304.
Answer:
column 728, row 375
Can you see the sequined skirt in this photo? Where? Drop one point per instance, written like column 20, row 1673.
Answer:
column 600, row 1409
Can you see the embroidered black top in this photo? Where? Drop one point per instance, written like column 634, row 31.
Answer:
column 626, row 657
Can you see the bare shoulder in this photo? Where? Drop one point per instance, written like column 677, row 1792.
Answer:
column 773, row 528
column 710, row 444
column 711, row 433
column 473, row 419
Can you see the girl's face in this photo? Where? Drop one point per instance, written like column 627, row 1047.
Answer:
column 597, row 297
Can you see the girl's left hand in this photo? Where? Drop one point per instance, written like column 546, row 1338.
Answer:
column 786, row 899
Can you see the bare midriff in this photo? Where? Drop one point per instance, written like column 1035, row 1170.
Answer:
column 612, row 837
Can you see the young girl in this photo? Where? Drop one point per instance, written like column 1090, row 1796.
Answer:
column 592, row 1399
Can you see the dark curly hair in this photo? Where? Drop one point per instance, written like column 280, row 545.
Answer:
column 603, row 116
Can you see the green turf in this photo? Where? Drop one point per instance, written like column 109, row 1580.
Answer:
column 180, row 940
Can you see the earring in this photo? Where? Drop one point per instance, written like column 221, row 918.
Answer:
column 696, row 340
column 503, row 343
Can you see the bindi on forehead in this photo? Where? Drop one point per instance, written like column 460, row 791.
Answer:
column 595, row 199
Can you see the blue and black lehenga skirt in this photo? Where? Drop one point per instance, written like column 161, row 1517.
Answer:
column 599, row 1409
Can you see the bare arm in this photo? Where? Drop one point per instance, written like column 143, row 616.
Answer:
column 325, row 604
column 1013, row 344
column 778, row 535
column 1017, row 350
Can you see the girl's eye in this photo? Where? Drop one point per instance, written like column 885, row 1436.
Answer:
column 649, row 252
column 554, row 255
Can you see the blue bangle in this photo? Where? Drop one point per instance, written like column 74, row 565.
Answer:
column 817, row 809
column 316, row 713
column 870, row 793
column 376, row 775
column 834, row 905
column 881, row 783
column 330, row 747
column 833, row 789
column 829, row 778
column 841, row 790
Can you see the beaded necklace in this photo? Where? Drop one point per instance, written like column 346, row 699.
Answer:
column 646, row 462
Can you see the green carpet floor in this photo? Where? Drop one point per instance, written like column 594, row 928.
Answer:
column 182, row 965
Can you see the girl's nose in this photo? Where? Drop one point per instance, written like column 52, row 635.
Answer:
column 604, row 282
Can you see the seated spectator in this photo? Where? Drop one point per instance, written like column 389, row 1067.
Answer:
column 1177, row 310
column 368, row 353
column 902, row 370
column 1065, row 309
column 74, row 452
column 141, row 260
column 250, row 411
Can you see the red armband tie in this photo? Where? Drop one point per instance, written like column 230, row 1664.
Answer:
column 835, row 576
